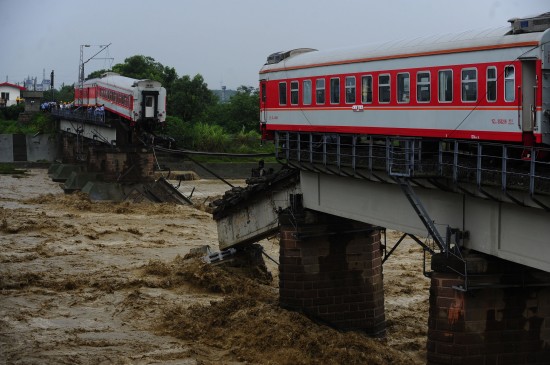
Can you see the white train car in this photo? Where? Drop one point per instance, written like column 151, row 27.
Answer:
column 137, row 101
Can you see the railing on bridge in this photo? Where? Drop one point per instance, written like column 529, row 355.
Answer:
column 448, row 164
column 80, row 115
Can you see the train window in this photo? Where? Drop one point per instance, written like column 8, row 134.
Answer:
column 350, row 90
column 335, row 90
column 366, row 89
column 445, row 83
column 403, row 88
column 384, row 88
column 491, row 83
column 509, row 83
column 320, row 91
column 469, row 84
column 282, row 93
column 306, row 92
column 294, row 89
column 423, row 87
column 149, row 101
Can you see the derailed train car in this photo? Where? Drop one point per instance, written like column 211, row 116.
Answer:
column 139, row 102
column 491, row 85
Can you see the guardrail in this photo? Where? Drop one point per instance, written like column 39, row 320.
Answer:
column 80, row 115
column 508, row 168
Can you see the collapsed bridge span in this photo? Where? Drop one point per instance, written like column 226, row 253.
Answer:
column 250, row 214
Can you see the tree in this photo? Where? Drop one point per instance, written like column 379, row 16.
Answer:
column 142, row 67
column 189, row 99
column 241, row 113
column 169, row 76
column 96, row 74
column 177, row 129
column 66, row 93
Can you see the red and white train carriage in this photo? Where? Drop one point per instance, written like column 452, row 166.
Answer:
column 137, row 101
column 489, row 85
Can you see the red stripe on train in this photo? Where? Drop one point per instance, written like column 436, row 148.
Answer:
column 406, row 132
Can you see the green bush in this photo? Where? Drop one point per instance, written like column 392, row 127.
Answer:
column 209, row 137
column 214, row 138
column 8, row 169
column 43, row 123
column 40, row 123
column 250, row 142
column 12, row 112
column 177, row 129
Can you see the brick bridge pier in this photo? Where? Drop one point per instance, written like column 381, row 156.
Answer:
column 331, row 270
column 503, row 318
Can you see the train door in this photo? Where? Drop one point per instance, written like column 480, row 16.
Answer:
column 149, row 104
column 263, row 111
column 263, row 100
column 527, row 102
column 149, row 107
column 545, row 115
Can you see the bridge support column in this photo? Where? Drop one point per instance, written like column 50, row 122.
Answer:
column 68, row 148
column 331, row 269
column 122, row 166
column 503, row 318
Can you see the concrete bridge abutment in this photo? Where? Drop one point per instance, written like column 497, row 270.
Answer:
column 503, row 317
column 331, row 270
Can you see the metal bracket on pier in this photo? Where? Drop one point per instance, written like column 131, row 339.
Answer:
column 216, row 257
column 447, row 246
column 405, row 185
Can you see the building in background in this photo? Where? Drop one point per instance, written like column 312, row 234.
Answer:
column 33, row 84
column 10, row 94
column 224, row 95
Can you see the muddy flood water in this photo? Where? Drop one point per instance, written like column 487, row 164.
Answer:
column 109, row 283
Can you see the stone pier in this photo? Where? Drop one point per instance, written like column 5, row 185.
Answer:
column 502, row 319
column 115, row 164
column 331, row 270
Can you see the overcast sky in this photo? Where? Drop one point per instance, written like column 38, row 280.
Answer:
column 226, row 41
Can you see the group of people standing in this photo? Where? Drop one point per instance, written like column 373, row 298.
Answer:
column 96, row 111
column 92, row 112
column 50, row 105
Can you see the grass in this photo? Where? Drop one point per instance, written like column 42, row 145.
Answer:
column 7, row 169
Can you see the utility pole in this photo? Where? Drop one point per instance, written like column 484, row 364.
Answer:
column 51, row 85
column 82, row 63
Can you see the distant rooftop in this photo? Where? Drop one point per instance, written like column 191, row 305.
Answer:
column 9, row 84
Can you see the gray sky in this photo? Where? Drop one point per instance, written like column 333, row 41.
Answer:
column 223, row 40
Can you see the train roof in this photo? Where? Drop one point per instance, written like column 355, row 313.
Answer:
column 114, row 79
column 473, row 40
